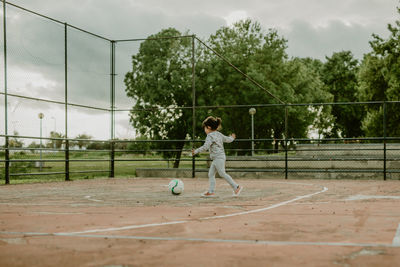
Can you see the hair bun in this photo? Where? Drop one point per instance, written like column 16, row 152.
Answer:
column 212, row 122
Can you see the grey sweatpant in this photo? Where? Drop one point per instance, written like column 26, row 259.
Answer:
column 218, row 165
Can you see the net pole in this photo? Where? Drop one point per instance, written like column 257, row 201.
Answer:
column 112, row 100
column 286, row 142
column 384, row 140
column 7, row 154
column 67, row 178
column 193, row 105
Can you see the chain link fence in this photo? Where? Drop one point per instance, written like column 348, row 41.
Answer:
column 67, row 115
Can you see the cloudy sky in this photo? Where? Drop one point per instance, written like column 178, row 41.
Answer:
column 313, row 28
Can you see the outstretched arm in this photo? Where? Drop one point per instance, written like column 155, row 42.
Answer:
column 204, row 147
column 229, row 139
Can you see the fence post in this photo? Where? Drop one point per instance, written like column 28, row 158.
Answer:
column 193, row 106
column 66, row 101
column 384, row 140
column 112, row 158
column 112, row 100
column 286, row 146
column 7, row 158
column 7, row 153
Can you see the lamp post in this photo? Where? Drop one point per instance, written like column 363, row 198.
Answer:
column 41, row 115
column 252, row 111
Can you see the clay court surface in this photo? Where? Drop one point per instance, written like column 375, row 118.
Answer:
column 137, row 222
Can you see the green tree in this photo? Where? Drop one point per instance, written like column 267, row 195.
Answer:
column 15, row 142
column 323, row 122
column 262, row 55
column 140, row 145
column 220, row 84
column 57, row 142
column 33, row 145
column 379, row 80
column 161, row 77
column 98, row 145
column 307, row 87
column 339, row 75
column 82, row 140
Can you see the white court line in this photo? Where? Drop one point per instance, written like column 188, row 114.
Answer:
column 292, row 183
column 313, row 203
column 267, row 208
column 92, row 199
column 396, row 239
column 364, row 197
column 128, row 227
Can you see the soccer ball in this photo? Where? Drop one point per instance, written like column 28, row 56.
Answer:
column 176, row 186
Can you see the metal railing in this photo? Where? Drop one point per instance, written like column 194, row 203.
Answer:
column 285, row 160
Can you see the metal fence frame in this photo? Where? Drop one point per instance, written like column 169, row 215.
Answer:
column 112, row 141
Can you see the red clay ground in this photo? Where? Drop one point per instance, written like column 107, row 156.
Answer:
column 136, row 222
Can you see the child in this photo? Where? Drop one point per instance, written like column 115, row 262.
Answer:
column 215, row 143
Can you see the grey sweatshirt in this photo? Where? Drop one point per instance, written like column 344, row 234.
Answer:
column 215, row 143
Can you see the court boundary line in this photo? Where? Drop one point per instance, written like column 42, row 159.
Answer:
column 129, row 227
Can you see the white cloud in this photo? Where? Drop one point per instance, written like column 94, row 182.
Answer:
column 305, row 40
column 236, row 16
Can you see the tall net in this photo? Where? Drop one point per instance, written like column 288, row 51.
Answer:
column 81, row 105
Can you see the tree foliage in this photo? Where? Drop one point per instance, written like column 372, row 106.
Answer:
column 15, row 142
column 82, row 140
column 262, row 55
column 339, row 75
column 160, row 82
column 57, row 142
column 379, row 80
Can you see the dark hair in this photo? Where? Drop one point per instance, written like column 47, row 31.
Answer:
column 213, row 123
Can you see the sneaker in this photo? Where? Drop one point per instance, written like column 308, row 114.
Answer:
column 236, row 192
column 207, row 194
